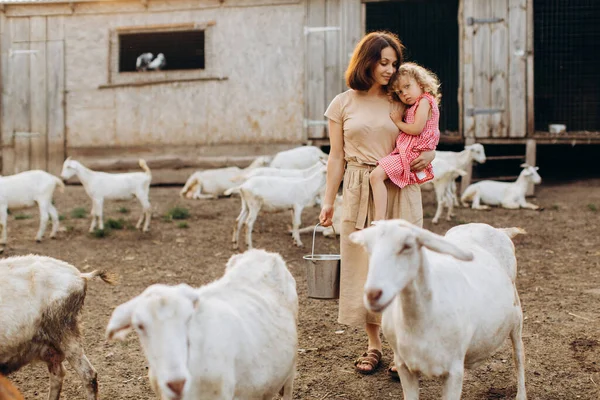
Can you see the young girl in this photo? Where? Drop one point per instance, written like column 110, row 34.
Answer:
column 418, row 89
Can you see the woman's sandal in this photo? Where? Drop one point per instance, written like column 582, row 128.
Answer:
column 371, row 358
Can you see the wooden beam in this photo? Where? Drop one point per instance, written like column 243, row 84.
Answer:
column 530, row 93
column 466, row 180
column 530, row 156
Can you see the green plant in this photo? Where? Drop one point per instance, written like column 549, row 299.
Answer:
column 115, row 223
column 124, row 210
column 61, row 217
column 78, row 212
column 427, row 215
column 22, row 216
column 183, row 225
column 555, row 207
column 178, row 213
column 130, row 226
column 592, row 207
column 101, row 233
column 69, row 228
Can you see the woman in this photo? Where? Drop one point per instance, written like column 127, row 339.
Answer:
column 361, row 132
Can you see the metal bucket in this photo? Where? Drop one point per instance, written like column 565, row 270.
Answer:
column 322, row 273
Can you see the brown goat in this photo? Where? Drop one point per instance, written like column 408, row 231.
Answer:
column 41, row 299
column 8, row 391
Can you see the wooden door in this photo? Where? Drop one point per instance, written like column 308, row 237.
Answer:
column 323, row 72
column 33, row 94
column 494, row 68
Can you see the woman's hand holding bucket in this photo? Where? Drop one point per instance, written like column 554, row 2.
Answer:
column 326, row 216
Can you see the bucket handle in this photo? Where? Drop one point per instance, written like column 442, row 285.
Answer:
column 312, row 253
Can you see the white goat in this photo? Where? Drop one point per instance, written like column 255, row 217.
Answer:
column 100, row 186
column 448, row 302
column 275, row 193
column 445, row 175
column 211, row 183
column 509, row 195
column 40, row 303
column 24, row 190
column 462, row 160
column 235, row 338
column 298, row 158
column 285, row 173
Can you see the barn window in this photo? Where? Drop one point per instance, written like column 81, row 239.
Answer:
column 188, row 49
column 566, row 64
column 183, row 50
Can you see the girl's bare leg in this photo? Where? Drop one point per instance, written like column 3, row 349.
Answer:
column 377, row 180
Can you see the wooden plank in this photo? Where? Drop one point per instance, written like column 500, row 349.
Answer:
column 55, row 27
column 333, row 72
column 315, row 68
column 352, row 29
column 467, row 77
column 530, row 156
column 482, row 67
column 517, row 14
column 19, row 67
column 55, row 51
column 37, row 94
column 8, row 151
column 530, row 78
column 499, row 68
column 466, row 180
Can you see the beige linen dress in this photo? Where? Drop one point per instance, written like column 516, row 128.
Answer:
column 369, row 134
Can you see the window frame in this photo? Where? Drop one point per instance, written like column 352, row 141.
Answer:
column 135, row 78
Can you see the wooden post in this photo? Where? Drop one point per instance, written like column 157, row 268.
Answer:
column 466, row 180
column 530, row 152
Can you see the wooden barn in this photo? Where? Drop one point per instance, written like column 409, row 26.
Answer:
column 248, row 77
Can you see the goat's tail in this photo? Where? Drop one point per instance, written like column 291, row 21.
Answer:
column 144, row 166
column 232, row 190
column 109, row 277
column 512, row 232
column 60, row 184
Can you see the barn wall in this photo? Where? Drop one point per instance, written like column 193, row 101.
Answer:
column 256, row 96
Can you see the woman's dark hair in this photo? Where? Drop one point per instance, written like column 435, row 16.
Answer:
column 367, row 54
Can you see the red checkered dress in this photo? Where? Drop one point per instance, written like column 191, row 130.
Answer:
column 409, row 147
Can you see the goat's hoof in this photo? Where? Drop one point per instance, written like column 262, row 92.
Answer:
column 38, row 240
column 435, row 221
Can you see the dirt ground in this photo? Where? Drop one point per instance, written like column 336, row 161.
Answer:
column 558, row 281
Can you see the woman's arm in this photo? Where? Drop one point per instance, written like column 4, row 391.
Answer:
column 335, row 171
column 421, row 117
column 424, row 159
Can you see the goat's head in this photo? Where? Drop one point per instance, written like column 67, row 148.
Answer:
column 395, row 257
column 261, row 161
column 69, row 168
column 531, row 173
column 160, row 317
column 477, row 152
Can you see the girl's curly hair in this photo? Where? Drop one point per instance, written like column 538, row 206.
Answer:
column 424, row 77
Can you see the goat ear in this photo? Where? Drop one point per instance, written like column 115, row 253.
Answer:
column 363, row 236
column 439, row 244
column 232, row 261
column 119, row 324
column 524, row 165
column 189, row 292
column 537, row 168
